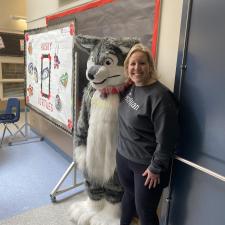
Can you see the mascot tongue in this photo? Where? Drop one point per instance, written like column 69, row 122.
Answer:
column 114, row 90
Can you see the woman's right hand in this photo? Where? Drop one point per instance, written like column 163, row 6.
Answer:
column 152, row 179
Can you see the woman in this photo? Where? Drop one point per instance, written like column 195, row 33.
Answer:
column 148, row 131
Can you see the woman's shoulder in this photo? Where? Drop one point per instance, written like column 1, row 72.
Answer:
column 160, row 89
column 163, row 93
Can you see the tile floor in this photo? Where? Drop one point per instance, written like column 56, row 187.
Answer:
column 28, row 174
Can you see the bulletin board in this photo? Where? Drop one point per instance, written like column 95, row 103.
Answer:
column 50, row 83
column 116, row 18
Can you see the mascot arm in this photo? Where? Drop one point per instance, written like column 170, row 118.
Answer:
column 82, row 129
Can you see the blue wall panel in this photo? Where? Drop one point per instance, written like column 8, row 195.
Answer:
column 197, row 198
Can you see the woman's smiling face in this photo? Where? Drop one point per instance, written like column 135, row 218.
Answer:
column 139, row 68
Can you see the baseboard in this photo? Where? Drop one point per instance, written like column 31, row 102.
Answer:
column 56, row 148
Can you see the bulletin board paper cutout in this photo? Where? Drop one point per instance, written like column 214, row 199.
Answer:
column 50, row 73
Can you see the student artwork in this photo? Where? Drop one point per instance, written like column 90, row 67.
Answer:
column 30, row 48
column 96, row 134
column 30, row 68
column 70, row 124
column 56, row 58
column 64, row 79
column 35, row 72
column 58, row 103
column 30, row 90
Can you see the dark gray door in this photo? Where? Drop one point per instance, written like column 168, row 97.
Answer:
column 198, row 197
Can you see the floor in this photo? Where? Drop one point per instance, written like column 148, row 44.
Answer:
column 51, row 214
column 28, row 174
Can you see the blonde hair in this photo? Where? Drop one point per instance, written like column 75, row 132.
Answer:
column 141, row 48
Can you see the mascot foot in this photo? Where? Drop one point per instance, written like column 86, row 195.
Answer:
column 109, row 215
column 81, row 212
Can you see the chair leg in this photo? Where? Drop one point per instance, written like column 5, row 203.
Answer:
column 8, row 129
column 11, row 133
column 19, row 130
column 3, row 135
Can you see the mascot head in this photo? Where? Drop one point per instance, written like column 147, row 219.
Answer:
column 105, row 63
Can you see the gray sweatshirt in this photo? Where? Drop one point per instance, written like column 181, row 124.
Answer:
column 148, row 126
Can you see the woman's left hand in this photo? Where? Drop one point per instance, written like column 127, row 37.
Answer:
column 152, row 178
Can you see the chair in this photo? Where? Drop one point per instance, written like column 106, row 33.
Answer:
column 11, row 116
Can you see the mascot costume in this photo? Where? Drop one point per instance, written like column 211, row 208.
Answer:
column 97, row 130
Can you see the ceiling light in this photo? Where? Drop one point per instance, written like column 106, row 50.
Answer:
column 18, row 18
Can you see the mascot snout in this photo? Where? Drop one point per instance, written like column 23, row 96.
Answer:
column 96, row 73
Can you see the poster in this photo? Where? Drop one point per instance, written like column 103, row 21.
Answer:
column 1, row 43
column 50, row 74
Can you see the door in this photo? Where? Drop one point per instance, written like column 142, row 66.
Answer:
column 197, row 188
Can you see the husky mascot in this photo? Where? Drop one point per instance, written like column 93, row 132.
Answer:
column 97, row 130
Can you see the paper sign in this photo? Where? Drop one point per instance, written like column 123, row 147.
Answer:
column 21, row 45
column 1, row 43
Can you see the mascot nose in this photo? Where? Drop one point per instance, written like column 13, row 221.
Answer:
column 92, row 71
column 90, row 76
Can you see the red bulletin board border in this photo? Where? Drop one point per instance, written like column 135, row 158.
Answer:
column 100, row 3
column 77, row 9
column 155, row 28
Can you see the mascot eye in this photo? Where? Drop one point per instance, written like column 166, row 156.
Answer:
column 108, row 61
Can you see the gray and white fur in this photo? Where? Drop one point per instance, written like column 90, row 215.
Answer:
column 97, row 127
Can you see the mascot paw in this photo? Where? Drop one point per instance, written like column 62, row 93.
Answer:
column 109, row 215
column 81, row 212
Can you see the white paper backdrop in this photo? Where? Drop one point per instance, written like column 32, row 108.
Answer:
column 49, row 73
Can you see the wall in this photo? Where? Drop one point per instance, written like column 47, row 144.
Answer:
column 166, row 61
column 43, row 8
column 168, row 40
column 9, row 8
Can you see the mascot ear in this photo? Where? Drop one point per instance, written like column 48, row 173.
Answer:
column 86, row 42
column 125, row 44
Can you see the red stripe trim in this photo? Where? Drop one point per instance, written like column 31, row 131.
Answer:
column 155, row 28
column 78, row 9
